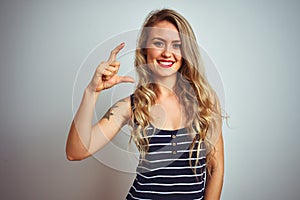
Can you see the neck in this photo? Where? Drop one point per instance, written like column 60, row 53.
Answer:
column 165, row 85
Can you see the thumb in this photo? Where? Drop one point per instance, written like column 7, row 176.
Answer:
column 128, row 79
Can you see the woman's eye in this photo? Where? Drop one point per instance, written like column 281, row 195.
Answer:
column 159, row 44
column 177, row 46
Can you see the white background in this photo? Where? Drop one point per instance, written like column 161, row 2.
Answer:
column 255, row 46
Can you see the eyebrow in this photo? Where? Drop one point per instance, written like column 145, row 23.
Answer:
column 158, row 38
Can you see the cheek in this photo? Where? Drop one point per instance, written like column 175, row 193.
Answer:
column 177, row 55
column 152, row 54
column 178, row 58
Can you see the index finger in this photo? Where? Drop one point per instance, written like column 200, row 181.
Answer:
column 114, row 52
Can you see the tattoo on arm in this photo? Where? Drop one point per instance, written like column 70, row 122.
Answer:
column 110, row 111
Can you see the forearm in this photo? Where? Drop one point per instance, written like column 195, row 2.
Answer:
column 84, row 138
column 214, row 184
column 80, row 131
column 214, row 180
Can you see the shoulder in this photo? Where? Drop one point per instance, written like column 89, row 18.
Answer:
column 120, row 111
column 123, row 106
column 124, row 101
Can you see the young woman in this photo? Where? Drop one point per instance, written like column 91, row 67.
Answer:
column 174, row 113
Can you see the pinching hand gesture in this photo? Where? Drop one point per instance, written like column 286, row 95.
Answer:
column 106, row 74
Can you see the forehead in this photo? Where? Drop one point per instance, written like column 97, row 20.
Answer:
column 165, row 30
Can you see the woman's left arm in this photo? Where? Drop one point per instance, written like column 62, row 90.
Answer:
column 214, row 181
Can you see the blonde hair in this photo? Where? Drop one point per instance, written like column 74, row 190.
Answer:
column 200, row 102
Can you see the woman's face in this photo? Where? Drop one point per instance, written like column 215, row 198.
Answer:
column 164, row 49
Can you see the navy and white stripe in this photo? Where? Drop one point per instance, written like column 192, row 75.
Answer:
column 166, row 172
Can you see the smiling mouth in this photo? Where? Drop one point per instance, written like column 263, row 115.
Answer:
column 165, row 63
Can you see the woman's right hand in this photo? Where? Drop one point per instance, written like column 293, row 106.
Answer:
column 106, row 74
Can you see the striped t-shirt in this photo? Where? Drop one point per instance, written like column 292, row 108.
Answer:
column 165, row 173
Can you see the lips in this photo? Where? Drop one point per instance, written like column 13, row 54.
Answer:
column 165, row 63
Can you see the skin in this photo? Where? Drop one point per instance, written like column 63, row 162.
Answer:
column 163, row 44
column 214, row 182
column 84, row 139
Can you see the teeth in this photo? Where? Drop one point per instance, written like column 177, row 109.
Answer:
column 165, row 63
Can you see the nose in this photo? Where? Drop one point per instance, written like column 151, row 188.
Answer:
column 166, row 52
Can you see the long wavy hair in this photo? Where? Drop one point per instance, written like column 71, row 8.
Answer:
column 200, row 102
